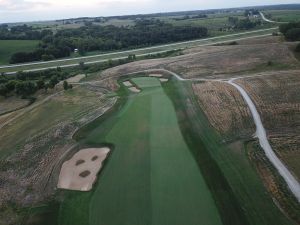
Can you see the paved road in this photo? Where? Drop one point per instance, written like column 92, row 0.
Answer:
column 138, row 55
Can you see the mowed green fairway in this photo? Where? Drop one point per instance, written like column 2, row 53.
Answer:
column 151, row 176
column 9, row 47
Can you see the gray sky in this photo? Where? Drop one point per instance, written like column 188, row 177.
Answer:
column 34, row 10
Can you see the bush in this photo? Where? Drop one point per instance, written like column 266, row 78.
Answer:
column 25, row 88
column 297, row 48
column 293, row 34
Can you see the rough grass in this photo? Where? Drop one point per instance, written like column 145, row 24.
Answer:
column 9, row 47
column 151, row 176
column 234, row 183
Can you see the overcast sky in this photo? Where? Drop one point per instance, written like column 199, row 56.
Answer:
column 34, row 10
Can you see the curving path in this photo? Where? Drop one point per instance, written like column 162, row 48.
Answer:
column 291, row 181
column 267, row 20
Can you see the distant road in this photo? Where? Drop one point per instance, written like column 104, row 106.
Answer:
column 70, row 62
column 267, row 20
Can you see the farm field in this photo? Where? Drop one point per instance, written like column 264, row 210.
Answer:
column 284, row 15
column 9, row 47
column 150, row 165
column 138, row 52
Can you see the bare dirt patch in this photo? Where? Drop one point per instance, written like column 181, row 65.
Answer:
column 74, row 79
column 81, row 177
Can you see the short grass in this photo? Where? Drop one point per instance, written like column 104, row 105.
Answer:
column 9, row 47
column 151, row 176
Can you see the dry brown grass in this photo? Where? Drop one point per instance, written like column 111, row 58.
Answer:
column 11, row 104
column 35, row 143
column 277, row 97
column 225, row 109
column 214, row 61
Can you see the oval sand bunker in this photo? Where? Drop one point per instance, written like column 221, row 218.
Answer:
column 81, row 176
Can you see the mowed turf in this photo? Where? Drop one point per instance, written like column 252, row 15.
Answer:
column 9, row 47
column 151, row 176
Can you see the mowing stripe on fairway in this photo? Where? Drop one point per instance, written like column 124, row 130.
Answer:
column 151, row 176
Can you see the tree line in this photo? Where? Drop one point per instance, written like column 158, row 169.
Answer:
column 108, row 38
column 25, row 84
column 22, row 32
column 243, row 24
column 291, row 31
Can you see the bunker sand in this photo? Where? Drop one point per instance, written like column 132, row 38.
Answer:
column 127, row 83
column 80, row 172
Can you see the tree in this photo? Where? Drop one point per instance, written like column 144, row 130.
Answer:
column 233, row 20
column 293, row 34
column 25, row 88
column 82, row 65
column 46, row 86
column 131, row 57
column 40, row 84
column 53, row 81
column 297, row 48
column 11, row 85
column 3, row 90
column 66, row 85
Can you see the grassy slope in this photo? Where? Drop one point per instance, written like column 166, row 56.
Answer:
column 238, row 187
column 57, row 110
column 9, row 47
column 151, row 176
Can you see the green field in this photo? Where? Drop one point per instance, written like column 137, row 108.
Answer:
column 284, row 15
column 139, row 52
column 151, row 176
column 9, row 47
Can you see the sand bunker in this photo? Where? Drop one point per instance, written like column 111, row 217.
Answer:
column 155, row 75
column 127, row 83
column 134, row 89
column 80, row 172
column 163, row 80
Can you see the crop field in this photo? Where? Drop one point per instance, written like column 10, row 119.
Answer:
column 151, row 175
column 9, row 47
column 284, row 15
column 218, row 61
column 137, row 52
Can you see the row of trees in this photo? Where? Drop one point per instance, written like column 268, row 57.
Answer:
column 22, row 32
column 243, row 24
column 26, row 84
column 108, row 38
column 291, row 31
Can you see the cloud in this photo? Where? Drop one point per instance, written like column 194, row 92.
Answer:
column 17, row 5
